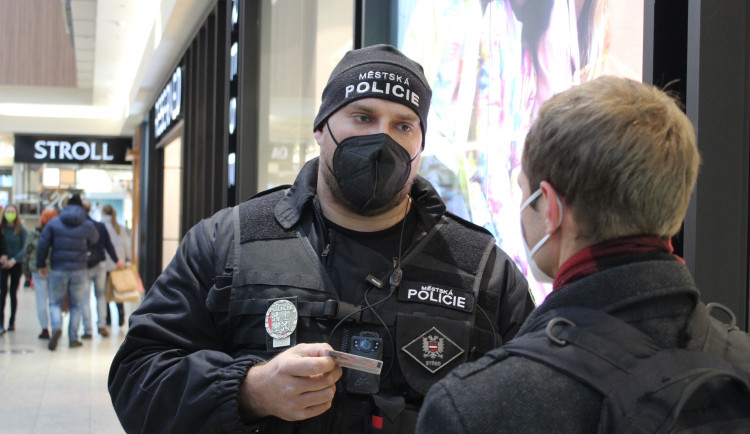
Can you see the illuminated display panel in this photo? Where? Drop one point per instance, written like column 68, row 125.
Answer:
column 491, row 65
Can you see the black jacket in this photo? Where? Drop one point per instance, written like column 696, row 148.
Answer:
column 103, row 245
column 180, row 367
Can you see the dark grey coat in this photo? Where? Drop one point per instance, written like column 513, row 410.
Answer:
column 519, row 395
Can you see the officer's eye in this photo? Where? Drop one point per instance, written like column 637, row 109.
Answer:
column 405, row 128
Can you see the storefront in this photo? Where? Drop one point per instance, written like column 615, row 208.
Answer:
column 235, row 114
column 49, row 169
column 253, row 74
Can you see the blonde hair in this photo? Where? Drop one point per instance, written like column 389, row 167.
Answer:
column 622, row 154
column 109, row 210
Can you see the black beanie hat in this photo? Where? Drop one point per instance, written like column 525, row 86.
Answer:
column 75, row 200
column 378, row 71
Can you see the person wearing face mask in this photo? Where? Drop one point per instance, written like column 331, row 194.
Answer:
column 608, row 170
column 358, row 256
column 12, row 269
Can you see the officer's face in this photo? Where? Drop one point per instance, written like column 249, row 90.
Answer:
column 371, row 116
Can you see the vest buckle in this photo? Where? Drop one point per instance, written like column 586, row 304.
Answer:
column 330, row 309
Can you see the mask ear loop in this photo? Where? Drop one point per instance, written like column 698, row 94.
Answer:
column 331, row 133
column 544, row 239
column 337, row 144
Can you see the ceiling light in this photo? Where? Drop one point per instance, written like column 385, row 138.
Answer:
column 60, row 111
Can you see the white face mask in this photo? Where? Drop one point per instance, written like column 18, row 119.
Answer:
column 537, row 272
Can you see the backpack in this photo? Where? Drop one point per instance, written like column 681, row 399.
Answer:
column 646, row 388
column 29, row 254
column 93, row 256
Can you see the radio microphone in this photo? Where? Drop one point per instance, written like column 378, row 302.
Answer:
column 374, row 281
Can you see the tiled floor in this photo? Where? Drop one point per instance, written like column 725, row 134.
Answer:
column 61, row 391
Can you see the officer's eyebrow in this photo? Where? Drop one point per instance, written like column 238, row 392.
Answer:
column 406, row 115
column 361, row 106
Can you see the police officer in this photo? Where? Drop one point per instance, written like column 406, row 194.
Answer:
column 358, row 256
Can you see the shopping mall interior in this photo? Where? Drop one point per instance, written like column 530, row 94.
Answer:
column 169, row 111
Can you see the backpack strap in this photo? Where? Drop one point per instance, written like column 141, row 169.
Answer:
column 232, row 262
column 706, row 333
column 573, row 334
column 644, row 387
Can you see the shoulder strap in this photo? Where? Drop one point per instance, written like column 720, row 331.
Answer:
column 570, row 336
column 644, row 387
column 255, row 216
column 706, row 333
column 233, row 262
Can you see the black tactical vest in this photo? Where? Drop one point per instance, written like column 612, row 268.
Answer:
column 434, row 318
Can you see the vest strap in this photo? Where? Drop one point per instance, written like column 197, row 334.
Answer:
column 329, row 309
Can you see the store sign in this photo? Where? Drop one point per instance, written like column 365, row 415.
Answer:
column 169, row 105
column 57, row 197
column 71, row 149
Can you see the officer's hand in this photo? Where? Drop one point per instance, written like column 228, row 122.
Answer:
column 295, row 385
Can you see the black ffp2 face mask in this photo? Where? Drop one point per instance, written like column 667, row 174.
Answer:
column 370, row 170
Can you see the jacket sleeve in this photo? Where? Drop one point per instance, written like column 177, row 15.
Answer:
column 508, row 294
column 42, row 248
column 93, row 236
column 127, row 246
column 3, row 246
column 107, row 242
column 22, row 250
column 171, row 373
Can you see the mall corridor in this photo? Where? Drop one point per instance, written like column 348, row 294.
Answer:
column 62, row 391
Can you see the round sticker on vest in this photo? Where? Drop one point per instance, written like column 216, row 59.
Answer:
column 281, row 321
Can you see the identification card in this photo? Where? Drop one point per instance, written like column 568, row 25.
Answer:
column 359, row 363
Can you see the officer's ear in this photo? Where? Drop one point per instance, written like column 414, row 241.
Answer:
column 318, row 134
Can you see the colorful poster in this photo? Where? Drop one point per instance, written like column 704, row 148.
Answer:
column 491, row 65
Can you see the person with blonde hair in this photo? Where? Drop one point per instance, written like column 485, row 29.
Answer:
column 608, row 170
column 41, row 283
column 97, row 274
column 15, row 240
column 121, row 242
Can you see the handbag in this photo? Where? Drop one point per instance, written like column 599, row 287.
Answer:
column 124, row 285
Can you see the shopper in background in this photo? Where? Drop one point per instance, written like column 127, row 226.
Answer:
column 15, row 241
column 121, row 241
column 97, row 273
column 41, row 283
column 69, row 238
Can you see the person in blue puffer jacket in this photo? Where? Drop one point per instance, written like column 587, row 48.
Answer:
column 68, row 237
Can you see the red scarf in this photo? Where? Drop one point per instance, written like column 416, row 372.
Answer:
column 612, row 253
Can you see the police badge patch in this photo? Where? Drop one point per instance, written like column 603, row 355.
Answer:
column 281, row 322
column 433, row 350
